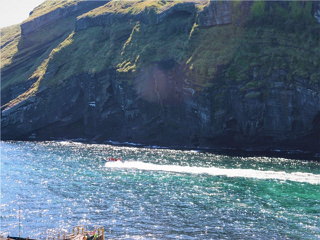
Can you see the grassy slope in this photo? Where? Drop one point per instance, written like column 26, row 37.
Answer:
column 236, row 49
column 48, row 6
column 273, row 38
column 26, row 56
column 10, row 37
column 123, row 46
column 22, row 57
column 17, row 52
column 138, row 6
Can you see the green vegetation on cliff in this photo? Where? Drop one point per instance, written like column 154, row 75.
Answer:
column 10, row 37
column 139, row 6
column 237, row 49
column 26, row 55
column 49, row 6
column 264, row 38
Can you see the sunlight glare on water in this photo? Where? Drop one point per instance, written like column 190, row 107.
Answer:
column 156, row 193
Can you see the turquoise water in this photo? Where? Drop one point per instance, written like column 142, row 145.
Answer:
column 156, row 193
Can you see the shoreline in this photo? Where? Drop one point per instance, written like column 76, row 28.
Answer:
column 296, row 154
column 249, row 151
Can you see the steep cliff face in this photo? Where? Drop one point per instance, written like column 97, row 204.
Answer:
column 191, row 73
column 216, row 13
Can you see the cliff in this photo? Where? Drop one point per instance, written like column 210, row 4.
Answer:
column 176, row 73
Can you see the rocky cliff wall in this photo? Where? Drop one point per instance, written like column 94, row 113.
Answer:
column 100, row 107
column 216, row 13
column 183, row 76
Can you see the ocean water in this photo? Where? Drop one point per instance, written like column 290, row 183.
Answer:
column 49, row 187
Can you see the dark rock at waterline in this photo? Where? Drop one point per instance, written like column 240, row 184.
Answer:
column 103, row 108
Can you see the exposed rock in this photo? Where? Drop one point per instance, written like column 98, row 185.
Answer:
column 180, row 8
column 148, row 16
column 316, row 10
column 105, row 108
column 216, row 13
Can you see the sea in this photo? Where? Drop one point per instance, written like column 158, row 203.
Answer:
column 47, row 188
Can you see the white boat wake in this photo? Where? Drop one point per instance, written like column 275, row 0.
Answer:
column 214, row 171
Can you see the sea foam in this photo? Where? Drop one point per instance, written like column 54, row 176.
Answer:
column 214, row 171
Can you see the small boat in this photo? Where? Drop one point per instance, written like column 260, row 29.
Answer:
column 111, row 159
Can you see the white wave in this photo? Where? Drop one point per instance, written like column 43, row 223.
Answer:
column 67, row 142
column 214, row 171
